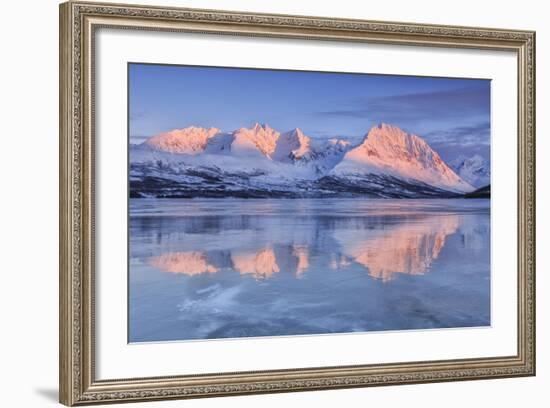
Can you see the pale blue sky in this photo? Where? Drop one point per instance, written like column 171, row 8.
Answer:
column 452, row 115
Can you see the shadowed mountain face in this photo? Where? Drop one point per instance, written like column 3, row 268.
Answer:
column 261, row 162
column 475, row 170
column 211, row 268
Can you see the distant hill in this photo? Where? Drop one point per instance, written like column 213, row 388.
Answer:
column 474, row 170
column 483, row 192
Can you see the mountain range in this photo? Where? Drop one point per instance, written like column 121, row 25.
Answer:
column 262, row 162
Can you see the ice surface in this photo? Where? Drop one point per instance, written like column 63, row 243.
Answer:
column 218, row 268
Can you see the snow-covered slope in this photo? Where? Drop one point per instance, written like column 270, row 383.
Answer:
column 261, row 162
column 475, row 170
column 292, row 145
column 389, row 150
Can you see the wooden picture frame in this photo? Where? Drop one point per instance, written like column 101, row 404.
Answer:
column 78, row 24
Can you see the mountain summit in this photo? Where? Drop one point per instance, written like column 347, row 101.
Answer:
column 387, row 149
column 191, row 140
column 292, row 145
column 262, row 162
column 260, row 139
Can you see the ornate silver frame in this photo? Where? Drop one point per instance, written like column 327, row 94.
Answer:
column 78, row 22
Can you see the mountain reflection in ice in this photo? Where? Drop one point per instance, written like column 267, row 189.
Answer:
column 261, row 263
column 188, row 263
column 409, row 248
column 241, row 268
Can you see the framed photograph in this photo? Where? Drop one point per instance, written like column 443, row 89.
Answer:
column 256, row 203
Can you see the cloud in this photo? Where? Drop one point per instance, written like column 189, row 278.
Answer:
column 462, row 141
column 450, row 152
column 477, row 134
column 137, row 139
column 414, row 107
column 323, row 136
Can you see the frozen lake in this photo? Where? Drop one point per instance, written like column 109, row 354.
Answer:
column 222, row 268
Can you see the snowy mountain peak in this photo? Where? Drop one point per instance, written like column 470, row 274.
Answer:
column 388, row 149
column 296, row 132
column 261, row 126
column 387, row 127
column 390, row 135
column 475, row 170
column 190, row 140
column 292, row 145
column 260, row 139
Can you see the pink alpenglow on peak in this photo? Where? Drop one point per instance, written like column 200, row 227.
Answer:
column 196, row 161
column 258, row 140
column 388, row 149
column 190, row 140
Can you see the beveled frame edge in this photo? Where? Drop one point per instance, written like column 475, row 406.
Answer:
column 78, row 20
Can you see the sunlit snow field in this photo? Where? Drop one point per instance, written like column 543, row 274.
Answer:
column 222, row 268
